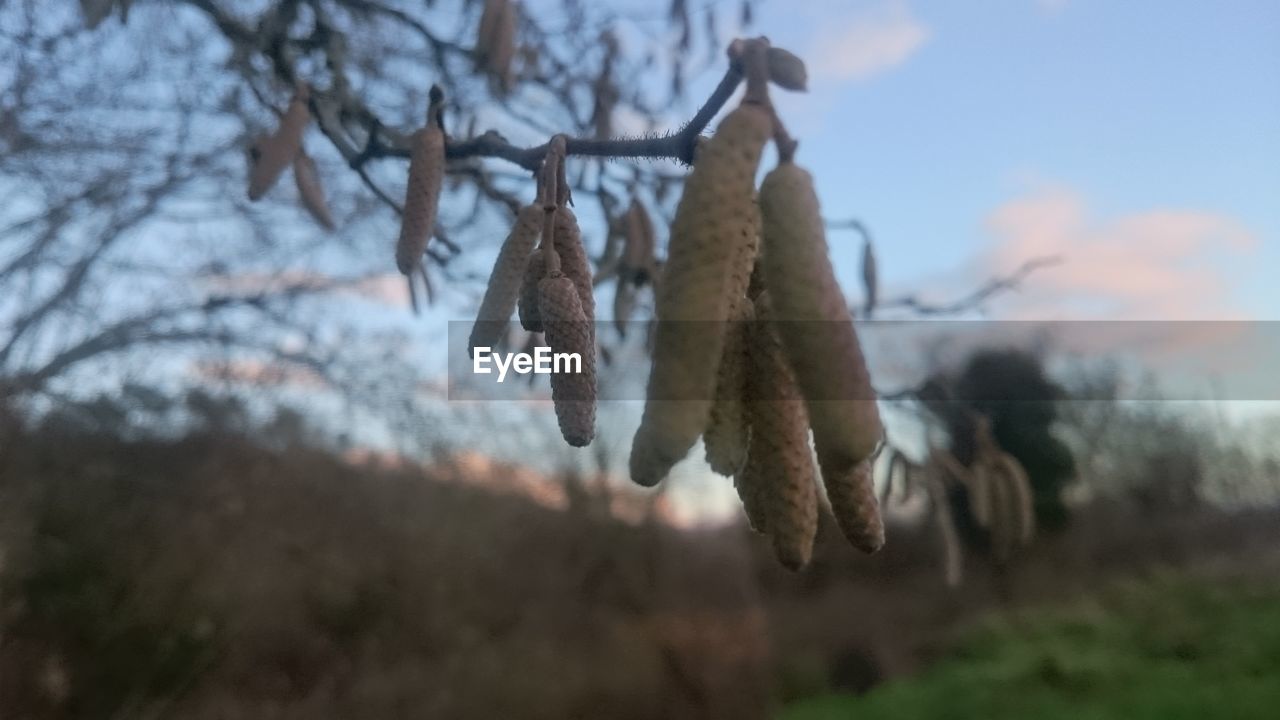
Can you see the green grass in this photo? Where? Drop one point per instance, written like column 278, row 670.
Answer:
column 1166, row 650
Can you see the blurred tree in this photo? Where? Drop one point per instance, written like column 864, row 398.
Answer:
column 1011, row 389
column 129, row 250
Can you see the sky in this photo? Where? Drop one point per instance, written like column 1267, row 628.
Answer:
column 1138, row 141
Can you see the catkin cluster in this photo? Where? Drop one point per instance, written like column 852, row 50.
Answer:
column 550, row 288
column 754, row 347
column 1000, row 496
column 270, row 154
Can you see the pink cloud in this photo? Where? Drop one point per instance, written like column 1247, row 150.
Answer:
column 1161, row 264
column 875, row 38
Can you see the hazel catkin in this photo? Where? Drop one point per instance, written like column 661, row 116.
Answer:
column 777, row 480
column 853, row 503
column 422, row 196
column 569, row 331
column 527, row 303
column 573, row 259
column 307, row 178
column 713, row 223
column 728, row 432
column 506, row 278
column 275, row 152
column 814, row 322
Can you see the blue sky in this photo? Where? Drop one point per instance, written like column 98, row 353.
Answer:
column 1129, row 137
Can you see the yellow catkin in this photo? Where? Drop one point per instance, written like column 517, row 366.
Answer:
column 728, row 433
column 814, row 322
column 506, row 278
column 527, row 305
column 569, row 331
column 277, row 151
column 713, row 223
column 777, row 481
column 307, row 177
column 422, row 196
column 786, row 70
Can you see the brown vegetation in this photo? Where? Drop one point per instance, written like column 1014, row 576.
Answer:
column 208, row 577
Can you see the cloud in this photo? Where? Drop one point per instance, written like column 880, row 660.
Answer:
column 1159, row 264
column 868, row 42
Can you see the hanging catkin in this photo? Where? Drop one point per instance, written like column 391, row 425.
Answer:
column 728, row 432
column 573, row 259
column 853, row 503
column 713, row 223
column 814, row 323
column 1022, row 511
column 506, row 278
column 527, row 307
column 502, row 50
column 307, row 177
column 979, row 493
column 485, row 31
column 569, row 331
column 777, row 480
column 422, row 196
column 637, row 260
column 274, row 153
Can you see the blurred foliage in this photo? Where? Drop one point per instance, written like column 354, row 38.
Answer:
column 1165, row 649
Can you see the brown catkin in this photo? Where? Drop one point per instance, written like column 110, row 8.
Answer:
column 502, row 52
column 777, row 481
column 484, row 32
column 814, row 323
column 637, row 251
column 569, row 331
column 506, row 278
column 853, row 503
column 573, row 259
column 728, row 433
column 422, row 196
column 307, row 177
column 276, row 152
column 527, row 305
column 714, row 221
